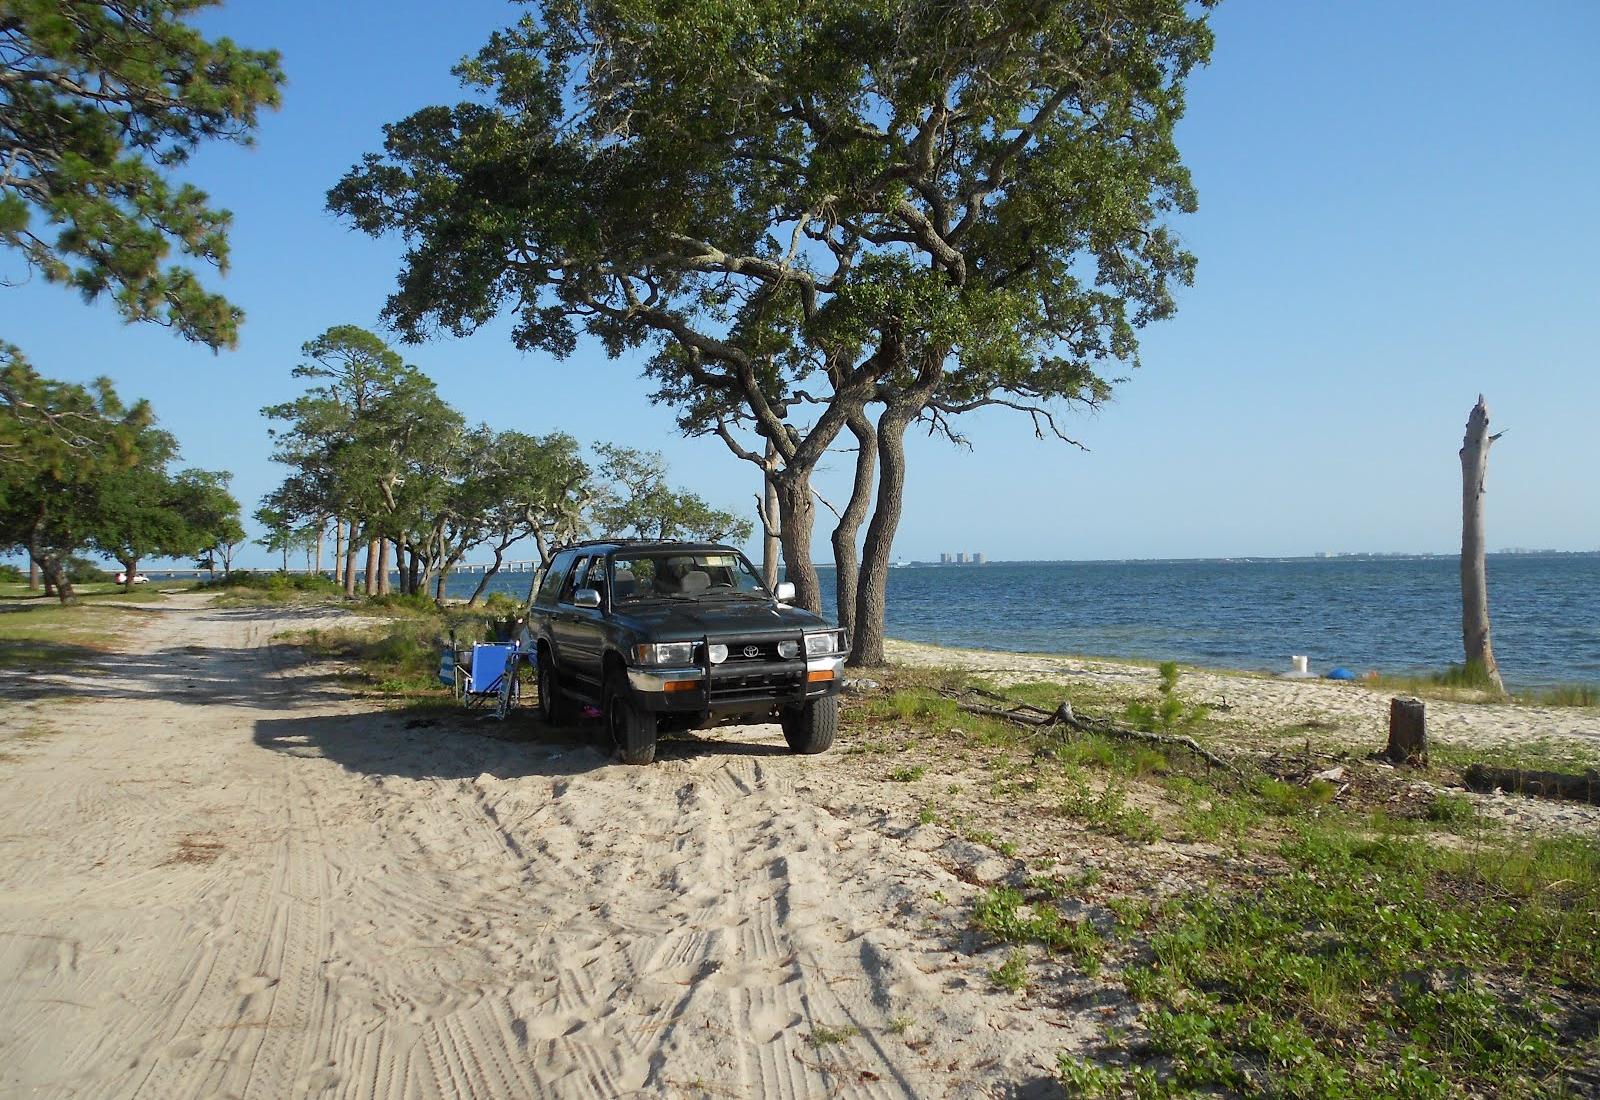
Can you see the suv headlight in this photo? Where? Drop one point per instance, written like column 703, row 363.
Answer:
column 666, row 653
column 826, row 643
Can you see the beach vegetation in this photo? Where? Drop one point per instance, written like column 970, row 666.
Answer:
column 823, row 1035
column 1012, row 974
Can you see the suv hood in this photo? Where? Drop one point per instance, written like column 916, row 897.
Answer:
column 683, row 621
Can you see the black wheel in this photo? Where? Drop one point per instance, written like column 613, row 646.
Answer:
column 809, row 728
column 632, row 729
column 554, row 708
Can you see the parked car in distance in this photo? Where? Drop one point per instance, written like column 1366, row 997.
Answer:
column 678, row 635
column 138, row 578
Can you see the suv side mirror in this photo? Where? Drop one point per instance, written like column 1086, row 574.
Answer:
column 586, row 597
column 785, row 591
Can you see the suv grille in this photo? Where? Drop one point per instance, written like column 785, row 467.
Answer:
column 740, row 651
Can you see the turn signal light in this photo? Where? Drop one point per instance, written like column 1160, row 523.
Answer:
column 819, row 674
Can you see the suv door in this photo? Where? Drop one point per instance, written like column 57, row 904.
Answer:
column 578, row 633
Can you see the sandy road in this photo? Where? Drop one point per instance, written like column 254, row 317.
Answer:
column 220, row 876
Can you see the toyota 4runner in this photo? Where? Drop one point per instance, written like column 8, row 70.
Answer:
column 676, row 635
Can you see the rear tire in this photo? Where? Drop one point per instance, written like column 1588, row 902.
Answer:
column 809, row 728
column 632, row 729
column 554, row 708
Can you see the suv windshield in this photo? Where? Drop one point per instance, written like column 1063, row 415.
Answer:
column 682, row 576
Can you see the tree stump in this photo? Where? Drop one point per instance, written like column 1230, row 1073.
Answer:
column 1408, row 731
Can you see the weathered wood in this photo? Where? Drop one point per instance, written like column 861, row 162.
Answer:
column 1474, row 582
column 1408, row 731
column 1025, row 714
column 1583, row 787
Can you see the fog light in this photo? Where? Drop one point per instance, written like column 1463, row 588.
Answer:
column 788, row 650
column 718, row 654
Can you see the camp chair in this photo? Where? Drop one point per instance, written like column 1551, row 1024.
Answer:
column 488, row 677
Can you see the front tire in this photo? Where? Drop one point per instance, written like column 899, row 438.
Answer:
column 632, row 728
column 809, row 728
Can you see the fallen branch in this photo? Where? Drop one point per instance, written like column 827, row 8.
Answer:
column 1032, row 717
column 1561, row 785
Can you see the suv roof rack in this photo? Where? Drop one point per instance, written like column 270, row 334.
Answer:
column 634, row 542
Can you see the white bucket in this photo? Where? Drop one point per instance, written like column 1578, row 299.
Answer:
column 1300, row 666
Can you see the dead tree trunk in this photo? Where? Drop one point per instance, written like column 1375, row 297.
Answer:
column 1474, row 582
column 1408, row 731
column 847, row 561
column 1583, row 787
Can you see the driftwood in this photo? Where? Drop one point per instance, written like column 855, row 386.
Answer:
column 1025, row 714
column 1535, row 784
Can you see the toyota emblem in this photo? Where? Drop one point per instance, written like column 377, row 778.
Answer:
column 752, row 651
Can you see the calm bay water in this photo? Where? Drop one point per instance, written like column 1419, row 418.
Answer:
column 1391, row 614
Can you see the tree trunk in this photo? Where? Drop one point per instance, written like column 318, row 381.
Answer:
column 414, row 571
column 1408, row 731
column 350, row 552
column 371, row 588
column 499, row 556
column 866, row 648
column 55, row 577
column 322, row 531
column 338, row 548
column 129, row 570
column 286, row 557
column 384, row 588
column 33, row 575
column 846, row 559
column 769, row 521
column 1474, row 582
column 797, row 514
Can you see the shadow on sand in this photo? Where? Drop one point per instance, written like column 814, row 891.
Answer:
column 449, row 744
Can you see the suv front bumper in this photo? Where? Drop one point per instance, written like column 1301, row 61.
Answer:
column 741, row 688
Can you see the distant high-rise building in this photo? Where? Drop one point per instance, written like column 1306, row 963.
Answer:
column 978, row 558
column 944, row 559
column 961, row 557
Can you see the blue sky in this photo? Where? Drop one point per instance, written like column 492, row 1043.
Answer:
column 1397, row 212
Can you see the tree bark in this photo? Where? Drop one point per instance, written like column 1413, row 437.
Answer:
column 322, row 531
column 33, row 575
column 866, row 650
column 797, row 516
column 846, row 559
column 130, row 569
column 384, row 587
column 371, row 588
column 338, row 548
column 769, row 520
column 1474, row 581
column 1584, row 787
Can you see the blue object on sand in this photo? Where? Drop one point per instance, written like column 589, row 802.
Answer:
column 1341, row 674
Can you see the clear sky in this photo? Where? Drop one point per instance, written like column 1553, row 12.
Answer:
column 1398, row 211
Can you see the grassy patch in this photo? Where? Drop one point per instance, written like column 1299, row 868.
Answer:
column 246, row 589
column 1381, row 966
column 823, row 1036
column 398, row 656
column 48, row 636
column 1013, row 973
column 1012, row 917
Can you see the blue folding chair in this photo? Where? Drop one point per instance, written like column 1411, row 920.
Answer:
column 487, row 678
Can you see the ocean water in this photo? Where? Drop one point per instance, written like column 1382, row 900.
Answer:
column 1395, row 615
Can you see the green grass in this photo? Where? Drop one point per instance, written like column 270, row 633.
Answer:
column 398, row 656
column 49, row 635
column 1013, row 973
column 1377, row 966
column 1012, row 917
column 822, row 1035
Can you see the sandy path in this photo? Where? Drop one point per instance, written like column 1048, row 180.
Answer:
column 221, row 876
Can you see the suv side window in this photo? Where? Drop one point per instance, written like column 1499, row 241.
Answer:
column 550, row 584
column 575, row 580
